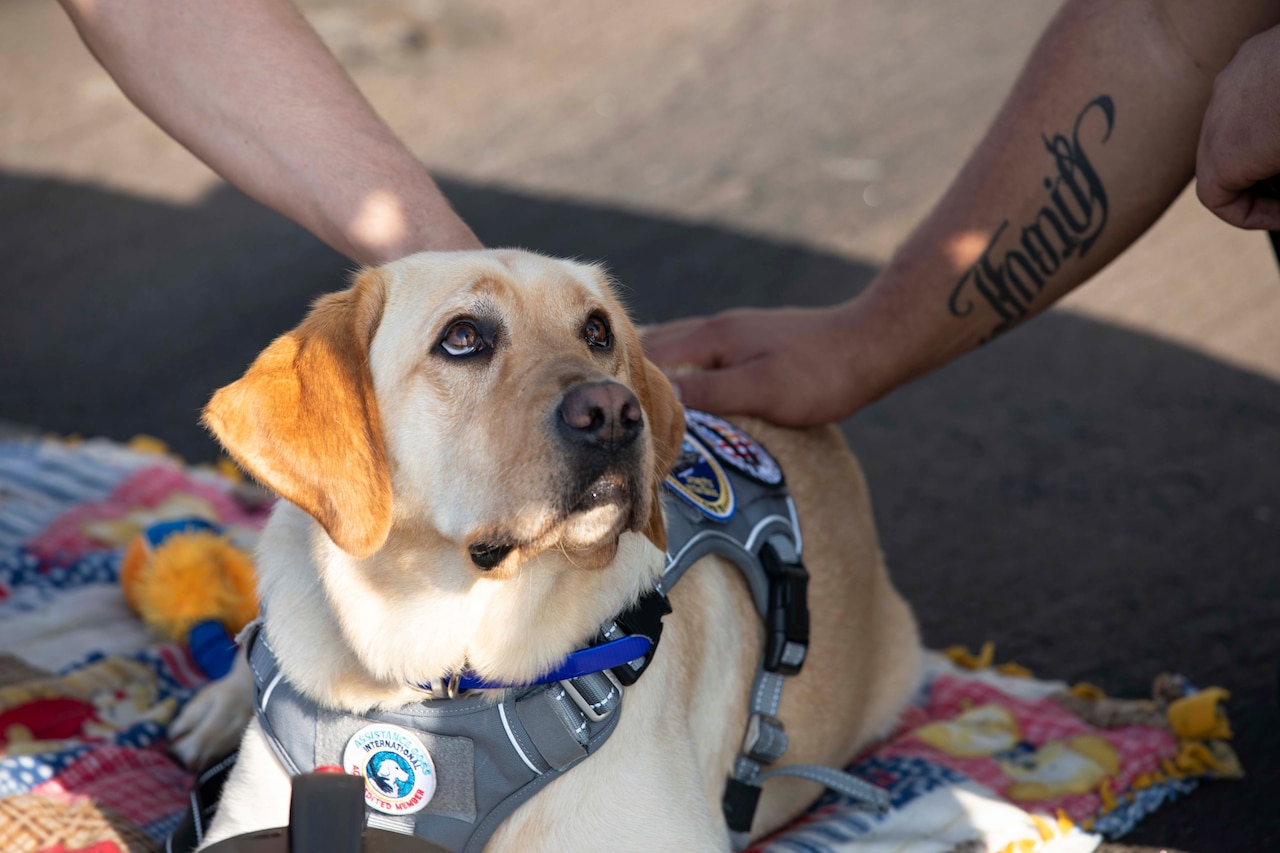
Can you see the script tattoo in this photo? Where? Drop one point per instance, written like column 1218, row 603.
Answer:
column 1010, row 277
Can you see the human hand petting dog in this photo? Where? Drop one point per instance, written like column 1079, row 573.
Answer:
column 1091, row 123
column 793, row 366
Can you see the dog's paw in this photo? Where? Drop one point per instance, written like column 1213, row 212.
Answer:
column 212, row 723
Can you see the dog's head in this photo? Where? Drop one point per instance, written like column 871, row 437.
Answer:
column 497, row 402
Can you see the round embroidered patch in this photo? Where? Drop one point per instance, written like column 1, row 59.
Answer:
column 399, row 776
column 698, row 478
column 735, row 447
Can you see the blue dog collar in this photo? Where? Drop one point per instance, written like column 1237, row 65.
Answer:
column 582, row 662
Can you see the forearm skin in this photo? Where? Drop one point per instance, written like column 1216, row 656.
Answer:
column 248, row 87
column 1095, row 141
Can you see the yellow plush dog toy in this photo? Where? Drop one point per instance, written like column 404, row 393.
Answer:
column 189, row 584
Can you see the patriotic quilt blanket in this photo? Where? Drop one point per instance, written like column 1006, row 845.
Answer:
column 984, row 759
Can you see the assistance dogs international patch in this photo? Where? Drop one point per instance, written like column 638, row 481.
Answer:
column 734, row 446
column 698, row 478
column 399, row 776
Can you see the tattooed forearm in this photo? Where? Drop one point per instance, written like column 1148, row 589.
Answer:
column 1015, row 266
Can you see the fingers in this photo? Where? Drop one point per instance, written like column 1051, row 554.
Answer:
column 1224, row 196
column 686, row 342
column 705, row 360
column 1264, row 213
column 733, row 390
column 1238, row 155
column 1250, row 210
column 777, row 364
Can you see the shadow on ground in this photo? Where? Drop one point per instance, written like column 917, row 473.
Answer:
column 1101, row 504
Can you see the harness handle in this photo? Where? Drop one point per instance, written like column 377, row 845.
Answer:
column 326, row 812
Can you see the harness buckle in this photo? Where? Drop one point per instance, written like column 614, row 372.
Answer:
column 766, row 739
column 787, row 623
column 597, row 694
column 643, row 618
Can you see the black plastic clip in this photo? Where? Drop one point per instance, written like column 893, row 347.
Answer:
column 739, row 805
column 787, row 623
column 645, row 619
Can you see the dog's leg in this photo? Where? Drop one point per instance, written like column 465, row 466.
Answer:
column 213, row 722
column 257, row 793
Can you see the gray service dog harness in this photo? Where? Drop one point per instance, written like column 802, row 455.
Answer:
column 452, row 769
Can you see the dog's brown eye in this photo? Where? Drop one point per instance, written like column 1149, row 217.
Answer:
column 463, row 338
column 596, row 332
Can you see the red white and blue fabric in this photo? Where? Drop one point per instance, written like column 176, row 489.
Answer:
column 50, row 571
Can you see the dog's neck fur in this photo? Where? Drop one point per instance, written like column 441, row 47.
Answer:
column 355, row 634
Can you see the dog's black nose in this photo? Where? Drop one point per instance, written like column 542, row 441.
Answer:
column 604, row 414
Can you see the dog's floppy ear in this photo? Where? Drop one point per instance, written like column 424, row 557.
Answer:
column 304, row 421
column 666, row 432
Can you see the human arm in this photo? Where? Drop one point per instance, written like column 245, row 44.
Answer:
column 248, row 87
column 1097, row 138
column 1238, row 160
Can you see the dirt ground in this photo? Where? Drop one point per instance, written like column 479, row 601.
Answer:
column 1098, row 492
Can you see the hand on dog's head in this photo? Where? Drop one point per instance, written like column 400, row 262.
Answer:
column 499, row 400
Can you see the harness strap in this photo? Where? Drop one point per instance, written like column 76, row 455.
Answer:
column 491, row 756
column 869, row 797
column 558, row 731
column 266, row 678
column 786, row 646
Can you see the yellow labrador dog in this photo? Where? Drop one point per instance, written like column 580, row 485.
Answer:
column 448, row 506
